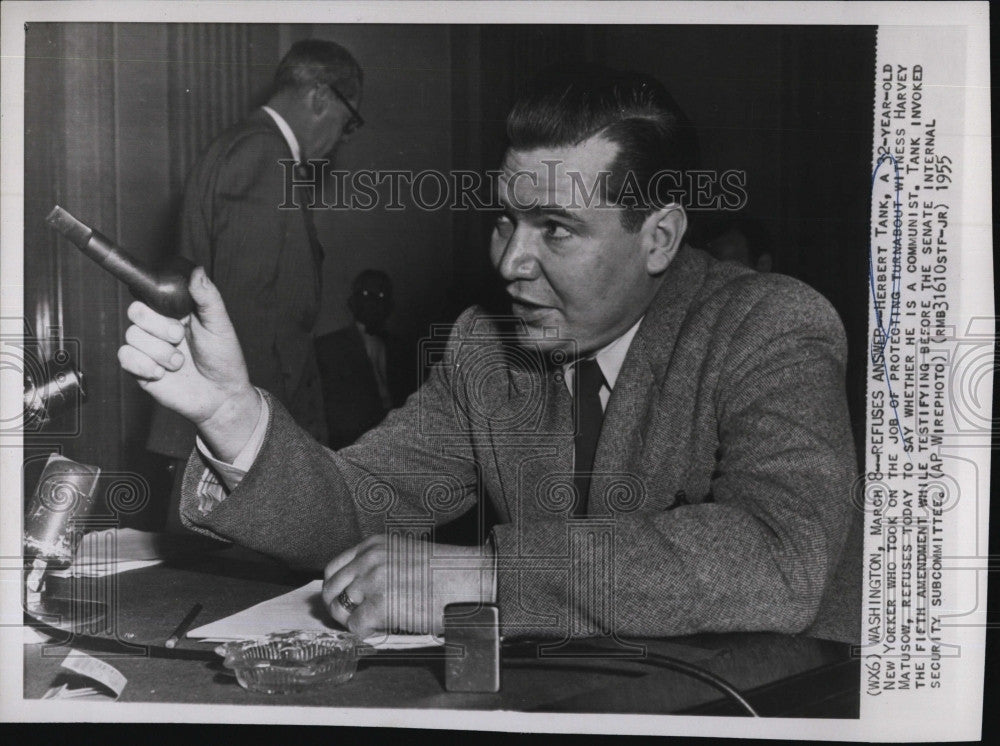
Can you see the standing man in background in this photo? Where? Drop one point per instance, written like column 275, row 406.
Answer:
column 365, row 370
column 265, row 260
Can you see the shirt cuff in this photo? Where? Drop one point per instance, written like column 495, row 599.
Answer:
column 232, row 474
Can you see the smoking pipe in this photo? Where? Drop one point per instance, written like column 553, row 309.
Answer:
column 164, row 289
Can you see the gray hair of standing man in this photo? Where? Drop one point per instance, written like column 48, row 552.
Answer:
column 316, row 61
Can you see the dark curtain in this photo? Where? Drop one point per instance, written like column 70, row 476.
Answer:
column 825, row 191
column 115, row 115
column 212, row 84
column 69, row 159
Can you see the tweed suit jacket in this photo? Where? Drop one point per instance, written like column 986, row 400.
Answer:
column 261, row 258
column 721, row 495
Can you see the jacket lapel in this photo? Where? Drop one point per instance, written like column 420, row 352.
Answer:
column 624, row 450
column 532, row 430
column 625, row 421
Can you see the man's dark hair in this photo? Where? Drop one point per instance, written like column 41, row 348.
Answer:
column 564, row 107
column 370, row 274
column 312, row 61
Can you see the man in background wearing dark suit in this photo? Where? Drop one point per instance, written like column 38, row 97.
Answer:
column 363, row 368
column 664, row 437
column 266, row 260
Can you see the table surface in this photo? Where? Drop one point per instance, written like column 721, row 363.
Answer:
column 779, row 674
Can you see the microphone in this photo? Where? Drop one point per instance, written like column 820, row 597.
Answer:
column 164, row 289
column 64, row 496
column 65, row 492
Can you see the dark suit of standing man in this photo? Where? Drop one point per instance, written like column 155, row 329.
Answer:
column 665, row 437
column 267, row 260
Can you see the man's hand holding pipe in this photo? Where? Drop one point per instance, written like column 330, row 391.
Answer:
column 195, row 367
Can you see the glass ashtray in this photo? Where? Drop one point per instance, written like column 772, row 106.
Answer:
column 285, row 662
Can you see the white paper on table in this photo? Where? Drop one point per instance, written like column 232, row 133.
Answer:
column 89, row 668
column 117, row 550
column 301, row 609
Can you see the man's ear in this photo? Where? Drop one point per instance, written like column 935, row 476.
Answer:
column 317, row 99
column 662, row 234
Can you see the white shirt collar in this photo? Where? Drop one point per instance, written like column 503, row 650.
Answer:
column 293, row 142
column 363, row 331
column 610, row 358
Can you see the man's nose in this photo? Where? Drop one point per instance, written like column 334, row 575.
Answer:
column 518, row 260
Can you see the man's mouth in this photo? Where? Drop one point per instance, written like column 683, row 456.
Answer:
column 526, row 308
column 528, row 311
column 517, row 301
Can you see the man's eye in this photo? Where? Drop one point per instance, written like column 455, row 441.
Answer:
column 504, row 224
column 557, row 230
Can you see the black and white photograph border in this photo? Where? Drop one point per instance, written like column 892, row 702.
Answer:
column 836, row 147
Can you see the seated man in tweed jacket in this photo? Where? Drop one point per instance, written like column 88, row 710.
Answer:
column 664, row 437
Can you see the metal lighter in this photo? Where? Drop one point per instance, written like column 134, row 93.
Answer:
column 472, row 647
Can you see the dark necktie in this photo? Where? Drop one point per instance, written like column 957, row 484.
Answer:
column 589, row 417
